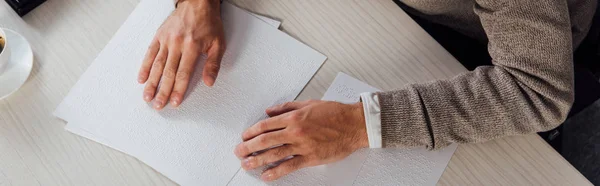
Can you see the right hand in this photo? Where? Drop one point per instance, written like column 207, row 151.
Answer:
column 194, row 28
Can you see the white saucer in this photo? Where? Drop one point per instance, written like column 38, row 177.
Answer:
column 19, row 65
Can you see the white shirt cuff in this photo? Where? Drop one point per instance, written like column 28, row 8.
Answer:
column 372, row 118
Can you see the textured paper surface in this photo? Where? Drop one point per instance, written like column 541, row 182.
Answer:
column 366, row 166
column 193, row 144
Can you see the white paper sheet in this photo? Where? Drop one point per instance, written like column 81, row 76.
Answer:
column 193, row 144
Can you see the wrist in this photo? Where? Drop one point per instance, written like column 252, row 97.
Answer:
column 359, row 120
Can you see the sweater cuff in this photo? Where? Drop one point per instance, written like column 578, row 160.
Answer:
column 372, row 118
column 404, row 119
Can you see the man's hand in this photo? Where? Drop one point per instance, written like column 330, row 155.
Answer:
column 194, row 28
column 313, row 132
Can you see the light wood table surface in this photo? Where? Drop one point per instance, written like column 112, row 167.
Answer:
column 374, row 41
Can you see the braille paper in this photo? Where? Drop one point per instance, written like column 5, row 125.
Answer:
column 192, row 144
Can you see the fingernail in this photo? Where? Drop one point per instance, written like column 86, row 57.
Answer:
column 175, row 102
column 158, row 104
column 267, row 177
column 147, row 97
column 140, row 80
column 248, row 163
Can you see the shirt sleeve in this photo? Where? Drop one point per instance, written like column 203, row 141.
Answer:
column 372, row 118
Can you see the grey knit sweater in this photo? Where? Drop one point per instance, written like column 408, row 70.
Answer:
column 528, row 89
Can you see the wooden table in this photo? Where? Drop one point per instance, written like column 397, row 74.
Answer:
column 374, row 41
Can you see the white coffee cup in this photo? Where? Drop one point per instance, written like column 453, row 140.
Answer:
column 5, row 53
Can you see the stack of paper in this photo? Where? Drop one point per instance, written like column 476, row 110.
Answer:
column 193, row 144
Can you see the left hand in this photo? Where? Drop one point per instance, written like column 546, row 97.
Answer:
column 313, row 132
column 194, row 28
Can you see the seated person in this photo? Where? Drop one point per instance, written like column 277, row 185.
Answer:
column 528, row 89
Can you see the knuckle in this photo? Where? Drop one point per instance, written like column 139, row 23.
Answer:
column 144, row 71
column 175, row 94
column 183, row 75
column 287, row 104
column 261, row 140
column 161, row 37
column 159, row 61
column 149, row 92
column 177, row 36
column 263, row 126
column 153, row 85
column 143, row 74
column 157, row 38
column 296, row 116
column 246, row 135
column 169, row 73
column 280, row 152
column 299, row 132
column 162, row 93
column 294, row 164
column 220, row 44
column 157, row 64
column 189, row 42
column 150, row 86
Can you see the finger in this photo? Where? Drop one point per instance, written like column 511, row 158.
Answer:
column 269, row 157
column 266, row 125
column 184, row 73
column 262, row 142
column 147, row 63
column 286, row 167
column 213, row 63
column 168, row 78
column 287, row 107
column 158, row 66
